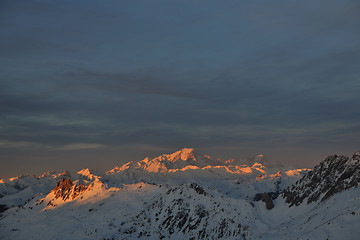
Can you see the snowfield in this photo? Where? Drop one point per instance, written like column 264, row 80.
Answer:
column 185, row 195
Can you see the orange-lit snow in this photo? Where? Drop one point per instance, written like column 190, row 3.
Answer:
column 296, row 172
column 187, row 159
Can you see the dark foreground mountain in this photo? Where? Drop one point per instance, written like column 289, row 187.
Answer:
column 334, row 175
column 186, row 195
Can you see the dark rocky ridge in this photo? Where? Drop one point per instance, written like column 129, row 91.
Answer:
column 65, row 189
column 185, row 212
column 335, row 174
column 3, row 208
column 268, row 201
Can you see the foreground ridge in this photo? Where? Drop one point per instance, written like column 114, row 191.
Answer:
column 335, row 174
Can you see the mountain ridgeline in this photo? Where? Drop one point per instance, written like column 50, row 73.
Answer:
column 335, row 174
column 186, row 195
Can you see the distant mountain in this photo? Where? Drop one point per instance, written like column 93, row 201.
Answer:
column 180, row 160
column 187, row 165
column 186, row 195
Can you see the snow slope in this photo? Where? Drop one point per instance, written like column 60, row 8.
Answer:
column 185, row 195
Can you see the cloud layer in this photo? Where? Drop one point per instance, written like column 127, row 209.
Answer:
column 241, row 77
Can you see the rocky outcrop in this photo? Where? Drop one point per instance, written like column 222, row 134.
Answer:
column 333, row 175
column 185, row 212
column 268, row 201
column 66, row 190
column 3, row 208
column 272, row 195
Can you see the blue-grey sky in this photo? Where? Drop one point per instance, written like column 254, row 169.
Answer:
column 98, row 83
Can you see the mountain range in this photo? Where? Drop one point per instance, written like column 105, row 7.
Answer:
column 186, row 195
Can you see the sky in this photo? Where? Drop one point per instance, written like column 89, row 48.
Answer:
column 100, row 83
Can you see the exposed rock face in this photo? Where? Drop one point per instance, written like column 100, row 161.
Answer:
column 267, row 200
column 198, row 189
column 333, row 175
column 272, row 195
column 213, row 202
column 185, row 212
column 66, row 190
column 3, row 208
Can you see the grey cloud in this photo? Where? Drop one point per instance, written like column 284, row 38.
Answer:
column 123, row 84
column 170, row 74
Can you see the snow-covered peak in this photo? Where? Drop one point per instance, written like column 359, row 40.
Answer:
column 169, row 162
column 187, row 165
column 185, row 195
column 87, row 174
column 183, row 154
column 269, row 164
column 183, row 158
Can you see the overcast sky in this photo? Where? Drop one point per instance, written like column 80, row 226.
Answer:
column 98, row 83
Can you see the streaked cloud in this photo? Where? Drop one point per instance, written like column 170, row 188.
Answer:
column 80, row 146
column 79, row 77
